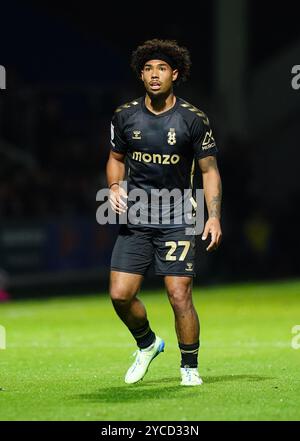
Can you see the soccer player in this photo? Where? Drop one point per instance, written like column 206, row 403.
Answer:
column 155, row 141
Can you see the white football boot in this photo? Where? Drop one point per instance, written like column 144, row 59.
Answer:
column 142, row 361
column 190, row 377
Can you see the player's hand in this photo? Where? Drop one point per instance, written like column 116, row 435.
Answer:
column 213, row 228
column 117, row 198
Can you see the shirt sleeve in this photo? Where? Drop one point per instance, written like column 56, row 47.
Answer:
column 117, row 140
column 203, row 141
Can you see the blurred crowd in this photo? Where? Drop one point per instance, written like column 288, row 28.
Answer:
column 53, row 151
column 59, row 152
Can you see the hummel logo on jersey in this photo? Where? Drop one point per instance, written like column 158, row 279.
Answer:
column 172, row 137
column 189, row 267
column 208, row 141
column 136, row 134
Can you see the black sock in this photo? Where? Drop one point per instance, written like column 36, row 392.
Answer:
column 189, row 355
column 144, row 336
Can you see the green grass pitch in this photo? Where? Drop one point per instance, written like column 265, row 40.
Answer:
column 66, row 358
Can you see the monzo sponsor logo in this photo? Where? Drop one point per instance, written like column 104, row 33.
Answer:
column 156, row 158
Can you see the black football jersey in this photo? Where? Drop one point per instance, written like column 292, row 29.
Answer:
column 161, row 149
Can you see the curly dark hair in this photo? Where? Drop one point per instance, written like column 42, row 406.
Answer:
column 179, row 55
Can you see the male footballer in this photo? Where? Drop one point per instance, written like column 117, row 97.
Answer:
column 156, row 141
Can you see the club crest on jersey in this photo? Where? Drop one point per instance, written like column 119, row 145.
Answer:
column 136, row 134
column 172, row 137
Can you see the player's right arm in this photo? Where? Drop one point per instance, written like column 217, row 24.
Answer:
column 115, row 169
column 115, row 173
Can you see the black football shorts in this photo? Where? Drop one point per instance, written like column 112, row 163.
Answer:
column 171, row 249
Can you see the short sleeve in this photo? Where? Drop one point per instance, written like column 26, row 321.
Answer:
column 117, row 140
column 203, row 141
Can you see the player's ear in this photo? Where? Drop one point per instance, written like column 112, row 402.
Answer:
column 175, row 74
column 142, row 75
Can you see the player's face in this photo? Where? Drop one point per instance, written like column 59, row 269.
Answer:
column 158, row 77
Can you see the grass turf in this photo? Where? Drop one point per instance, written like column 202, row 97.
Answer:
column 66, row 358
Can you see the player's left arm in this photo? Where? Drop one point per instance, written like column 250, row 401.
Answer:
column 212, row 186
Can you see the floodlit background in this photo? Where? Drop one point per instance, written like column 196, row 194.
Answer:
column 67, row 70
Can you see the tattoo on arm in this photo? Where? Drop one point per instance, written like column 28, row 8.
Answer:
column 213, row 201
column 214, row 205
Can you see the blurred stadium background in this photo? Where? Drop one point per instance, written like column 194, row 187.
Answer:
column 67, row 70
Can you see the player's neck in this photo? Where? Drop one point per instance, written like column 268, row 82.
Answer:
column 160, row 104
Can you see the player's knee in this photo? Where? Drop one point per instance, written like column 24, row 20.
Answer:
column 180, row 297
column 119, row 295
